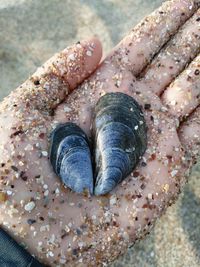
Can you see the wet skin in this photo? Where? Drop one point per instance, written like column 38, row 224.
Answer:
column 158, row 65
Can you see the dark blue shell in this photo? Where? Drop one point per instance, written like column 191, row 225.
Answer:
column 71, row 158
column 120, row 135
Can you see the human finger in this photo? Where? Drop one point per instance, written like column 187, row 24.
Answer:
column 189, row 134
column 145, row 40
column 183, row 95
column 172, row 59
column 50, row 84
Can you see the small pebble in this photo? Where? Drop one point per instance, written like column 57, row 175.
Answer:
column 31, row 221
column 71, row 57
column 173, row 173
column 44, row 153
column 29, row 206
column 89, row 53
column 67, row 109
column 9, row 193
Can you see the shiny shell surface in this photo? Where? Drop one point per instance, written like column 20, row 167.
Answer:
column 120, row 139
column 71, row 158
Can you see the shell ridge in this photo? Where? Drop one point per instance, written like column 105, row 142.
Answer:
column 70, row 157
column 120, row 138
column 119, row 132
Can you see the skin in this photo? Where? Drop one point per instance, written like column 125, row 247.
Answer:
column 158, row 65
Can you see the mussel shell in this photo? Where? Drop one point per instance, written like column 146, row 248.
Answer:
column 70, row 157
column 120, row 135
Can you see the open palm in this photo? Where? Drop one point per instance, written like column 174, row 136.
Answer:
column 59, row 226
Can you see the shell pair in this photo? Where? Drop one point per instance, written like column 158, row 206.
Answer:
column 120, row 139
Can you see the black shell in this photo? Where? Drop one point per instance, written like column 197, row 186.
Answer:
column 71, row 158
column 120, row 135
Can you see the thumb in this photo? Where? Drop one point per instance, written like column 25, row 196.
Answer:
column 50, row 84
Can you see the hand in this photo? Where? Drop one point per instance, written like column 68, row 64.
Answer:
column 59, row 226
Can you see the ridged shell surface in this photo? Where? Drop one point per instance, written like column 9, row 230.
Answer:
column 120, row 135
column 70, row 157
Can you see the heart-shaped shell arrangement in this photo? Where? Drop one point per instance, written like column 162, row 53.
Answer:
column 119, row 140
